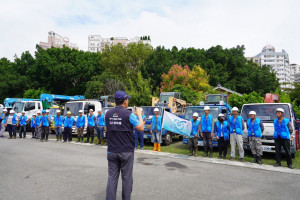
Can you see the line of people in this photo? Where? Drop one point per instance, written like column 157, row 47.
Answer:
column 40, row 125
column 231, row 132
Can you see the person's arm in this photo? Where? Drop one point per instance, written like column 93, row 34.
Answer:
column 243, row 125
column 200, row 128
column 290, row 126
column 138, row 124
column 212, row 127
column 262, row 127
column 95, row 119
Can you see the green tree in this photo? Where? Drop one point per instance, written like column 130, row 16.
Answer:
column 140, row 91
column 239, row 101
column 34, row 93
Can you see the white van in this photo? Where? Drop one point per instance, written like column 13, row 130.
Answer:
column 85, row 105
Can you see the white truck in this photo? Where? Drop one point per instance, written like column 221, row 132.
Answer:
column 85, row 105
column 267, row 113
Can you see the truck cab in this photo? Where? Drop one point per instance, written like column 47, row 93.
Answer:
column 267, row 113
column 215, row 110
column 85, row 105
column 167, row 136
column 29, row 106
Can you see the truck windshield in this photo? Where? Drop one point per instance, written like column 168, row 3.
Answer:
column 266, row 112
column 73, row 108
column 214, row 111
column 149, row 111
column 52, row 111
column 18, row 107
column 164, row 98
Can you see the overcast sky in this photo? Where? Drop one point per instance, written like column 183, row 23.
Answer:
column 199, row 23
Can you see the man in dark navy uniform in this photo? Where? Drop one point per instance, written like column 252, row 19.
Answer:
column 120, row 145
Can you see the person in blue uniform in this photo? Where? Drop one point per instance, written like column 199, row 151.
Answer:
column 100, row 123
column 156, row 130
column 222, row 135
column 45, row 126
column 11, row 123
column 120, row 145
column 80, row 123
column 32, row 125
column 68, row 122
column 22, row 122
column 3, row 122
column 283, row 134
column 58, row 122
column 193, row 140
column 140, row 135
column 207, row 131
column 91, row 125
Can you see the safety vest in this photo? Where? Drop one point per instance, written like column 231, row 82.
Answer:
column 38, row 120
column 157, row 123
column 32, row 122
column 91, row 120
column 236, row 126
column 45, row 121
column 58, row 121
column 224, row 130
column 282, row 130
column 80, row 121
column 254, row 130
column 143, row 117
column 68, row 122
column 100, row 120
column 23, row 120
column 206, row 123
column 14, row 119
column 195, row 126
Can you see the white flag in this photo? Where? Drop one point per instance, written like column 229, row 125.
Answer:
column 176, row 124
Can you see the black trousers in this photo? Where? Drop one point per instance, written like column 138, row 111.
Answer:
column 285, row 143
column 90, row 132
column 120, row 162
column 67, row 134
column 223, row 145
column 12, row 129
column 33, row 132
column 45, row 132
column 207, row 142
column 22, row 130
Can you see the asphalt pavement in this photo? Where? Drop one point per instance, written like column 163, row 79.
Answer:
column 35, row 170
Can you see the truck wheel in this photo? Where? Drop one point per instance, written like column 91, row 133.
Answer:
column 168, row 139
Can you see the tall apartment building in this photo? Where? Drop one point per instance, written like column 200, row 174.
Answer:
column 55, row 40
column 279, row 61
column 96, row 43
column 294, row 69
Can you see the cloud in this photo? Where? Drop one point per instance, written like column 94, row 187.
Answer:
column 199, row 24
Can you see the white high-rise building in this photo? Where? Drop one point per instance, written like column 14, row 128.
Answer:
column 55, row 40
column 97, row 43
column 294, row 69
column 279, row 62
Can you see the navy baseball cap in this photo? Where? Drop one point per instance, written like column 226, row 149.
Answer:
column 121, row 95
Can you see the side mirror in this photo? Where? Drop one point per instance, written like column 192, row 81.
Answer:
column 224, row 111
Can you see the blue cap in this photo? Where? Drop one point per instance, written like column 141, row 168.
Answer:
column 121, row 95
column 44, row 111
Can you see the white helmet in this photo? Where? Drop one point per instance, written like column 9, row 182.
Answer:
column 252, row 113
column 206, row 108
column 280, row 110
column 39, row 112
column 100, row 110
column 80, row 111
column 195, row 115
column 156, row 110
column 47, row 111
column 23, row 112
column 91, row 110
column 235, row 109
column 33, row 114
column 5, row 110
column 11, row 111
column 220, row 115
column 58, row 111
column 142, row 109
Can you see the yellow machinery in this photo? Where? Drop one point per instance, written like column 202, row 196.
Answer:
column 168, row 99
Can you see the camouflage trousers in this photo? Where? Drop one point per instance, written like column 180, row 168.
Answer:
column 255, row 145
